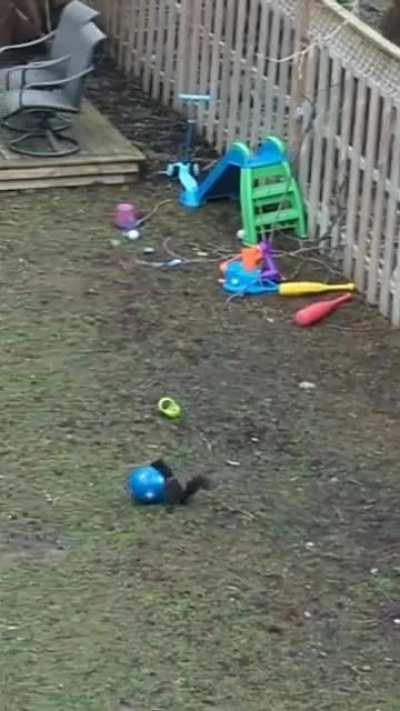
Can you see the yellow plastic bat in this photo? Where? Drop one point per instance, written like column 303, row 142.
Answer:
column 305, row 288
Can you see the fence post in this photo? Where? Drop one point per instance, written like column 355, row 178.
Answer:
column 299, row 73
column 184, row 48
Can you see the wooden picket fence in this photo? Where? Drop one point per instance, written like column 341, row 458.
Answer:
column 304, row 69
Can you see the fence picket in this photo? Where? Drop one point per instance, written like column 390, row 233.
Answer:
column 247, row 83
column 385, row 140
column 182, row 52
column 305, row 125
column 391, row 229
column 130, row 53
column 354, row 176
column 318, row 147
column 204, row 58
column 286, row 50
column 270, row 87
column 169, row 76
column 260, row 81
column 225, row 74
column 363, row 232
column 330, row 203
column 342, row 187
column 152, row 31
column 236, row 74
column 159, row 50
column 214, row 87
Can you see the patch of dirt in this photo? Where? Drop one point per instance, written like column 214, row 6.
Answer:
column 20, row 548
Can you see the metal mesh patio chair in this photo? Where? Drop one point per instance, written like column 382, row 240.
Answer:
column 37, row 110
column 56, row 66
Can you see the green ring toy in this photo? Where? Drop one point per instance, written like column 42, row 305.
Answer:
column 170, row 408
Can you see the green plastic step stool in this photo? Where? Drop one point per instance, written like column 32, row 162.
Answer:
column 270, row 196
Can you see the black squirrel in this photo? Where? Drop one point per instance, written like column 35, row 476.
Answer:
column 175, row 492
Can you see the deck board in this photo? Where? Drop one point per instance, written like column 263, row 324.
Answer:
column 106, row 156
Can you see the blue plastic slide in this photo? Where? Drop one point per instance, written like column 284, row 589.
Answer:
column 224, row 179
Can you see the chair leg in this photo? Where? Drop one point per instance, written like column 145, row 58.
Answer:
column 44, row 139
column 57, row 123
column 59, row 145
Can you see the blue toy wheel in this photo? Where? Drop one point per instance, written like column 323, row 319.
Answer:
column 146, row 485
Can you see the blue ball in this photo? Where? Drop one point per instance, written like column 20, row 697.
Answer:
column 146, row 485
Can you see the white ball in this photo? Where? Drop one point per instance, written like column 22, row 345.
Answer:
column 133, row 234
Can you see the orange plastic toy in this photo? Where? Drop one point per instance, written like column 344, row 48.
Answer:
column 251, row 259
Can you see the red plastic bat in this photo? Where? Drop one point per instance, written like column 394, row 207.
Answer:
column 319, row 310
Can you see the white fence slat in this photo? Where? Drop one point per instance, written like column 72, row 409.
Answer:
column 194, row 45
column 346, row 123
column 148, row 69
column 385, row 140
column 172, row 19
column 270, row 85
column 205, row 57
column 363, row 231
column 318, row 144
column 330, row 202
column 159, row 49
column 391, row 227
column 214, row 87
column 130, row 54
column 223, row 115
column 260, row 80
column 286, row 50
column 183, row 53
column 236, row 76
column 303, row 151
column 247, row 81
column 354, row 176
column 141, row 37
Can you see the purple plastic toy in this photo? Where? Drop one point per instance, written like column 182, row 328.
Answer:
column 125, row 217
column 270, row 271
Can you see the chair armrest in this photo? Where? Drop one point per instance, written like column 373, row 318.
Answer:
column 34, row 43
column 49, row 84
column 57, row 82
column 34, row 65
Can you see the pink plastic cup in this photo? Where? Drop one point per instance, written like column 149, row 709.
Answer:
column 125, row 217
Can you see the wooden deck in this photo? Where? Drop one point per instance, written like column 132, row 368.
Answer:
column 106, row 157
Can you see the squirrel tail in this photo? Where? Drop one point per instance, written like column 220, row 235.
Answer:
column 193, row 486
